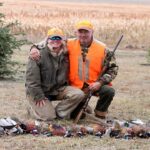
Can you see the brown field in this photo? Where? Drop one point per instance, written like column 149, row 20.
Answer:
column 110, row 20
column 132, row 101
column 132, row 84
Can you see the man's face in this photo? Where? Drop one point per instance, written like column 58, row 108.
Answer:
column 85, row 36
column 55, row 42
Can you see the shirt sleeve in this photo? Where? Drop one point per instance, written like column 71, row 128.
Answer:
column 112, row 68
column 33, row 80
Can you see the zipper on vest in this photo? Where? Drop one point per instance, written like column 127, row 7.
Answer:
column 84, row 53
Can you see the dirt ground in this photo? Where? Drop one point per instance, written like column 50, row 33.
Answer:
column 132, row 101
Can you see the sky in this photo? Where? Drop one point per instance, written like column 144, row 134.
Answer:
column 107, row 1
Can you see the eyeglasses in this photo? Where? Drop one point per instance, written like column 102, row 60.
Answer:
column 55, row 38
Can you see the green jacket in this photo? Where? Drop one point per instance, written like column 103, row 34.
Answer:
column 47, row 75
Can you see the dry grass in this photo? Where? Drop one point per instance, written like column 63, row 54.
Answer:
column 132, row 101
column 110, row 20
column 132, row 84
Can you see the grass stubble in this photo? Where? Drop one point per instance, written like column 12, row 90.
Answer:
column 132, row 84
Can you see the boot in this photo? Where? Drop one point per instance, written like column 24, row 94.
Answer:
column 100, row 114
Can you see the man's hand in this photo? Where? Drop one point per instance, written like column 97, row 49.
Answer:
column 40, row 103
column 34, row 54
column 95, row 86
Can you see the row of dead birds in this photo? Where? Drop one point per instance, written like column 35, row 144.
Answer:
column 117, row 129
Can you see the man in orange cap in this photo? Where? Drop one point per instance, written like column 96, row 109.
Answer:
column 86, row 57
column 47, row 80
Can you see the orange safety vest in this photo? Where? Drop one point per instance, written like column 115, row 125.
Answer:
column 89, row 70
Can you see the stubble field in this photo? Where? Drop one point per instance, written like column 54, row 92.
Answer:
column 109, row 20
column 132, row 84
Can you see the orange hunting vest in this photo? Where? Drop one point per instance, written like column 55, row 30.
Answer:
column 89, row 70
